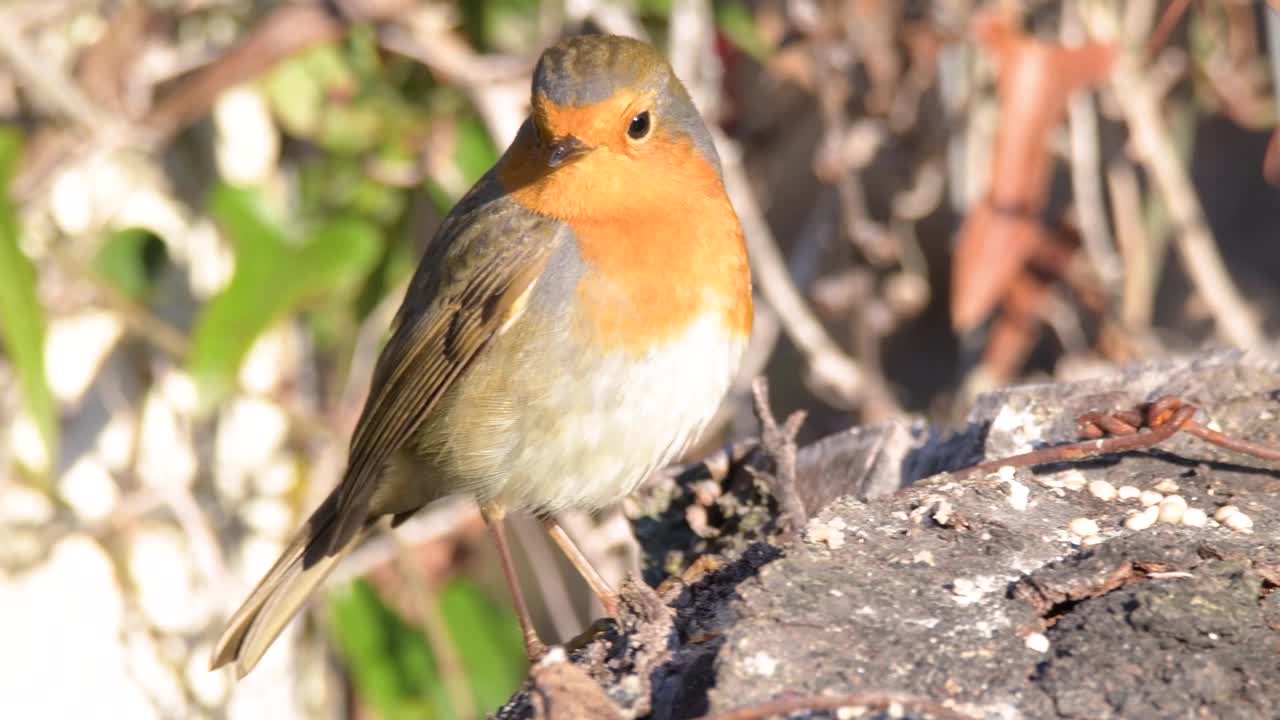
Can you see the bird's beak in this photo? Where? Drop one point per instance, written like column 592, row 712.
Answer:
column 565, row 149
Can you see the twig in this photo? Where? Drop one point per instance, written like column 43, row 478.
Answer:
column 1140, row 255
column 56, row 87
column 1140, row 103
column 1121, row 431
column 1086, row 173
column 780, row 444
column 693, row 57
column 1091, row 448
column 1130, row 422
column 292, row 27
column 1168, row 21
column 829, row 366
column 869, row 700
column 496, row 85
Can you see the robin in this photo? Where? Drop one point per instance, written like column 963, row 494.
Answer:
column 572, row 327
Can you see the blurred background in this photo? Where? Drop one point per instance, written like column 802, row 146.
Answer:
column 209, row 210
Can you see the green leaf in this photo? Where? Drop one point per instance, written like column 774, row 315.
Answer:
column 22, row 324
column 736, row 22
column 128, row 260
column 391, row 662
column 473, row 154
column 273, row 277
column 488, row 641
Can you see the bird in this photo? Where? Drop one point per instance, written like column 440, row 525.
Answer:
column 573, row 326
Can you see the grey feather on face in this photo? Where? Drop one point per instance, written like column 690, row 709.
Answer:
column 588, row 69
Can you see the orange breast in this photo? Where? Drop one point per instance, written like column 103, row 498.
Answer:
column 659, row 235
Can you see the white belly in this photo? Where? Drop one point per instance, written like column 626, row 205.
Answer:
column 587, row 436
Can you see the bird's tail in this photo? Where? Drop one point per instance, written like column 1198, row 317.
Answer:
column 303, row 565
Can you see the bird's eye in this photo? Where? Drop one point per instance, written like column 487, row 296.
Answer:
column 639, row 127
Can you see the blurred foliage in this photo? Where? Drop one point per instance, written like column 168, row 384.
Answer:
column 22, row 325
column 276, row 271
column 393, row 666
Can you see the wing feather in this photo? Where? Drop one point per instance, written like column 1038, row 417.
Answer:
column 487, row 254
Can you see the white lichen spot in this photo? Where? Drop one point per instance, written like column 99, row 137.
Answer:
column 1073, row 479
column 1037, row 642
column 818, row 531
column 1019, row 495
column 1005, row 473
column 555, row 655
column 966, row 591
column 1091, row 540
column 761, row 664
column 1022, row 429
column 1128, row 492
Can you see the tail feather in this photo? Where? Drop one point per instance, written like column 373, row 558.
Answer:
column 281, row 593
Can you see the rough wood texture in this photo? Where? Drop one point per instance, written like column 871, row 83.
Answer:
column 934, row 590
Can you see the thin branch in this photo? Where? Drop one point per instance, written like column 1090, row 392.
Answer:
column 290, row 28
column 54, row 86
column 830, row 367
column 1140, row 104
column 1086, row 173
column 779, row 441
column 1137, row 250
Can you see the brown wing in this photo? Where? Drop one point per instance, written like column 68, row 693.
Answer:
column 485, row 256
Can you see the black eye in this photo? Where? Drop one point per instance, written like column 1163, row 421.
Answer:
column 639, row 127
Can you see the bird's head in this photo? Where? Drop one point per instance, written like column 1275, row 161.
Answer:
column 611, row 128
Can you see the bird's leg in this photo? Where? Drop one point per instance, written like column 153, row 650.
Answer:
column 493, row 517
column 608, row 598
